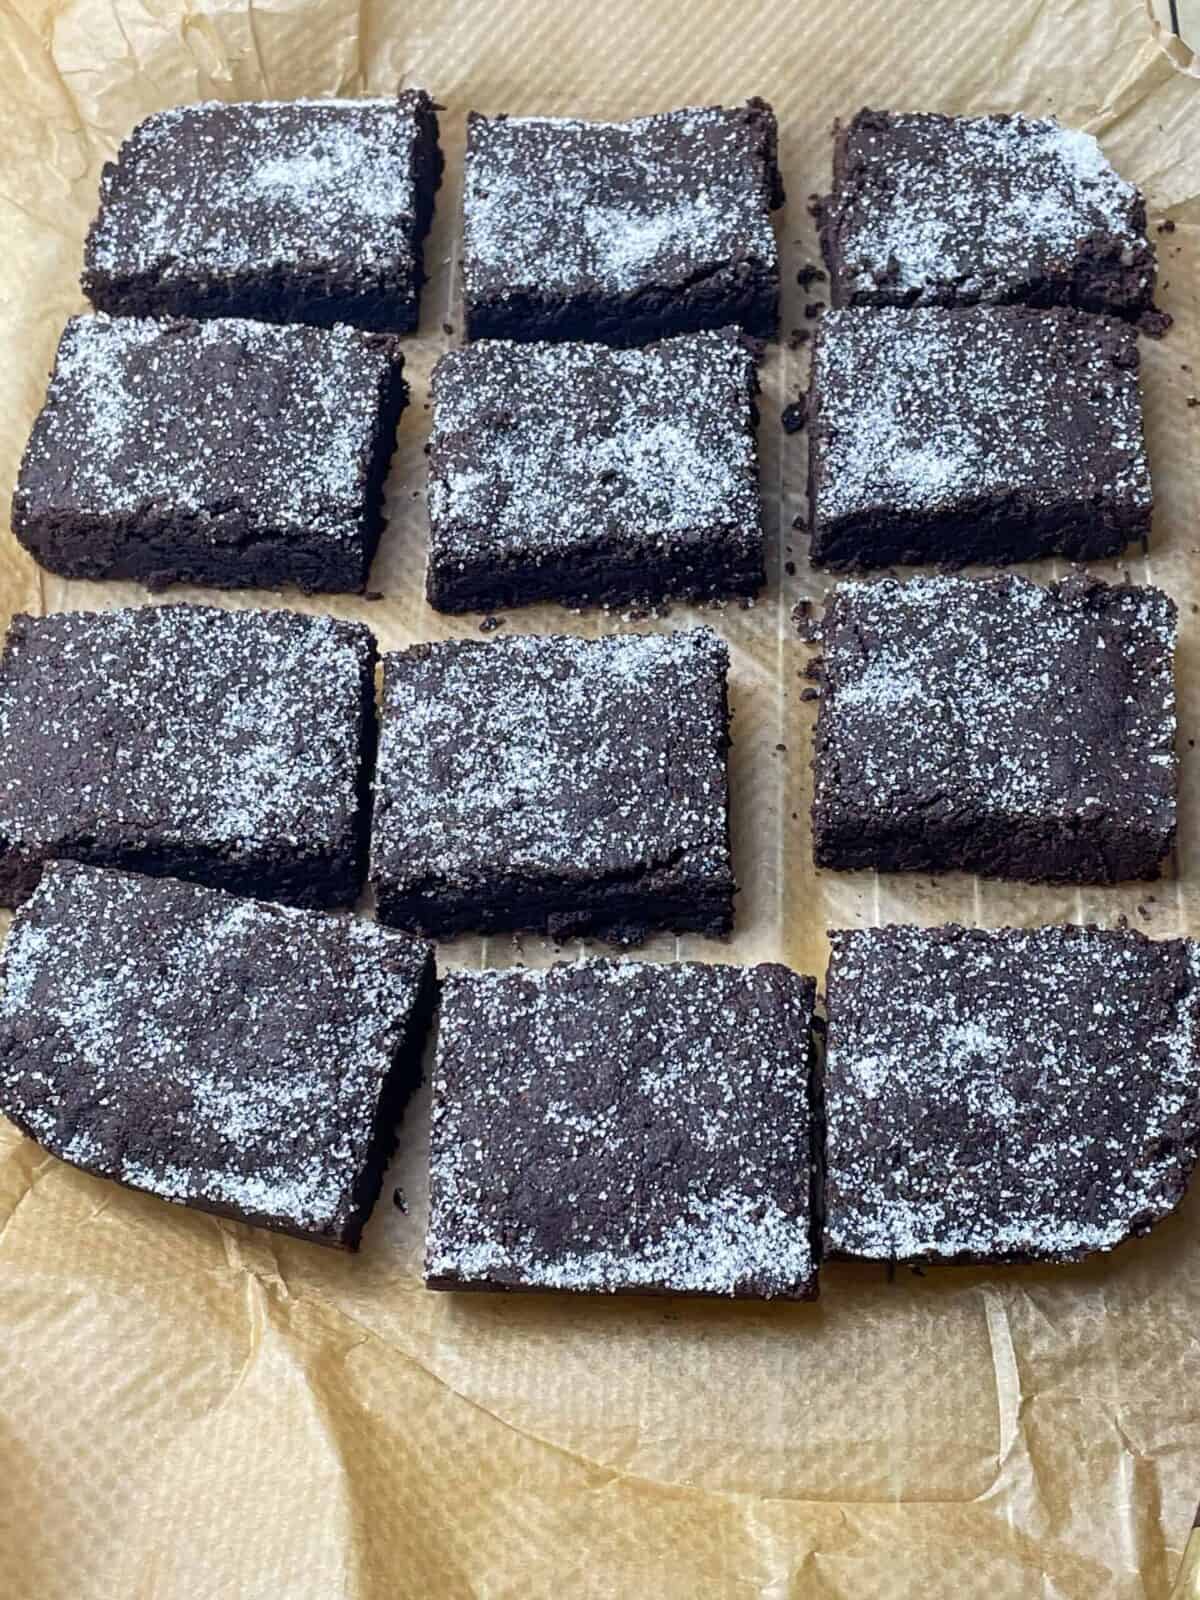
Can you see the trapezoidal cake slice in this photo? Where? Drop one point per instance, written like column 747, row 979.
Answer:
column 992, row 434
column 613, row 1127
column 231, row 747
column 997, row 727
column 621, row 231
column 247, row 1059
column 563, row 785
column 284, row 211
column 1007, row 1094
column 230, row 453
column 936, row 210
column 593, row 476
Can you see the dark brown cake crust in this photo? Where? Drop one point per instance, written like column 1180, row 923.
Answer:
column 563, row 785
column 937, row 210
column 250, row 1060
column 229, row 453
column 992, row 435
column 594, row 476
column 232, row 747
column 624, row 1127
column 621, row 232
column 1007, row 1094
column 294, row 211
column 997, row 727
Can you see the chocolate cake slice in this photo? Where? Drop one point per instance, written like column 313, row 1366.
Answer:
column 621, row 231
column 615, row 1127
column 247, row 1059
column 994, row 434
column 593, row 476
column 280, row 210
column 937, row 210
column 564, row 785
column 231, row 747
column 997, row 727
column 229, row 453
column 1013, row 1094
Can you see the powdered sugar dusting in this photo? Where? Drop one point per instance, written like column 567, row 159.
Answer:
column 610, row 1126
column 952, row 210
column 227, row 736
column 248, row 429
column 552, row 756
column 541, row 451
column 1013, row 1093
column 617, row 206
column 259, row 186
column 929, row 412
column 1013, row 700
column 213, row 1051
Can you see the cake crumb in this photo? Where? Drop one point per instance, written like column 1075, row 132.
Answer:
column 795, row 415
column 1154, row 323
column 490, row 624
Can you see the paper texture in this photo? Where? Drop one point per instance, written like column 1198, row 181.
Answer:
column 195, row 1409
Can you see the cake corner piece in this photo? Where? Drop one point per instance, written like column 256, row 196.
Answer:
column 309, row 211
column 1007, row 1095
column 242, row 1058
column 928, row 209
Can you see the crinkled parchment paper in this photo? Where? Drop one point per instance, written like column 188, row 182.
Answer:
column 192, row 1410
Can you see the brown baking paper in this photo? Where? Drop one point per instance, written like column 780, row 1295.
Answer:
column 191, row 1409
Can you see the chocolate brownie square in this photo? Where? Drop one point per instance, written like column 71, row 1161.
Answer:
column 227, row 453
column 227, row 746
column 996, row 434
column 247, row 1059
column 285, row 211
column 594, row 476
column 624, row 1127
column 569, row 786
column 997, row 727
column 621, row 231
column 937, row 210
column 1025, row 1094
